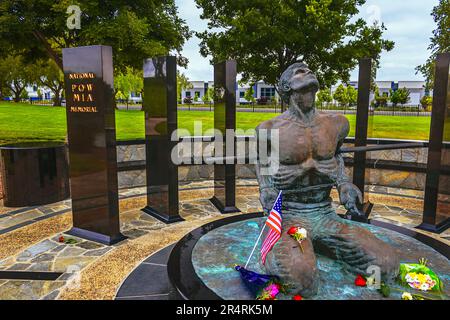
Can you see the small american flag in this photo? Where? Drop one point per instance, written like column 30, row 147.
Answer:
column 274, row 223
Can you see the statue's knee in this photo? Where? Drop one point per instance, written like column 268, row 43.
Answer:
column 295, row 268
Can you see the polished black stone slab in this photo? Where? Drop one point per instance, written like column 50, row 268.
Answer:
column 149, row 281
column 160, row 106
column 362, row 125
column 225, row 73
column 34, row 174
column 29, row 275
column 88, row 75
column 436, row 214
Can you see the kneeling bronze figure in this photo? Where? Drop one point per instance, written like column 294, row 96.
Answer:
column 306, row 168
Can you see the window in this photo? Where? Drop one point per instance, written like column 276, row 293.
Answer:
column 241, row 94
column 267, row 92
column 188, row 94
column 197, row 94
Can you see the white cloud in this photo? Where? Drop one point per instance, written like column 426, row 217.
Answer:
column 409, row 24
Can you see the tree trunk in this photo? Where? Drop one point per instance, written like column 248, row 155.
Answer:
column 17, row 95
column 51, row 53
column 56, row 99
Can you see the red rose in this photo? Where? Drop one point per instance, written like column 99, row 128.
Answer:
column 297, row 297
column 360, row 281
column 292, row 230
column 61, row 239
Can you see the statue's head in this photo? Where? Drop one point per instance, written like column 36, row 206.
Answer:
column 299, row 84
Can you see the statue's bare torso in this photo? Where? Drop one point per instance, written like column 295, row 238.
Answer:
column 307, row 155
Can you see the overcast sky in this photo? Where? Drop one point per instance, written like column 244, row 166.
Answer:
column 409, row 24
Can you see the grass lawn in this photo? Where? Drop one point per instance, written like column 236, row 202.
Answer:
column 28, row 123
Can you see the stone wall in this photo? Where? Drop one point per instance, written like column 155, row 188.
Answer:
column 378, row 177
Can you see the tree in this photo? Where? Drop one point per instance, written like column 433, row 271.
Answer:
column 249, row 95
column 352, row 95
column 182, row 83
column 16, row 74
column 440, row 41
column 4, row 88
column 196, row 97
column 399, row 96
column 127, row 82
column 426, row 102
column 266, row 36
column 135, row 29
column 208, row 96
column 340, row 95
column 324, row 95
column 49, row 75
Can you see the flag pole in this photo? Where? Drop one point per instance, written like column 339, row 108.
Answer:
column 260, row 234
column 254, row 247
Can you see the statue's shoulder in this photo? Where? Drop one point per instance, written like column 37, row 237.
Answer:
column 272, row 123
column 339, row 120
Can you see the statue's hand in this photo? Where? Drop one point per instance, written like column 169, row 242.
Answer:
column 267, row 198
column 349, row 195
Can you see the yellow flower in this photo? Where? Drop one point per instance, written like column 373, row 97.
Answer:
column 370, row 281
column 407, row 296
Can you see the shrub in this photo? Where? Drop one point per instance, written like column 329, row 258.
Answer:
column 187, row 100
column 426, row 102
column 262, row 100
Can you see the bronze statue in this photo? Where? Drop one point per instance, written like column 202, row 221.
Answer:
column 309, row 166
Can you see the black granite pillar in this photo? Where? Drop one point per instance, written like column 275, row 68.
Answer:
column 436, row 211
column 160, row 106
column 88, row 76
column 224, row 197
column 362, row 126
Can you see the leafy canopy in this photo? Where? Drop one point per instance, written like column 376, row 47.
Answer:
column 266, row 36
column 135, row 29
column 324, row 95
column 399, row 96
column 340, row 95
column 440, row 42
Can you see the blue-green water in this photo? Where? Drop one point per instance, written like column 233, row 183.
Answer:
column 216, row 253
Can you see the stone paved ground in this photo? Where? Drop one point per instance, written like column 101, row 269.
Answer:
column 80, row 263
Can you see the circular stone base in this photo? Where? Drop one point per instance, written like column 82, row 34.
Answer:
column 216, row 252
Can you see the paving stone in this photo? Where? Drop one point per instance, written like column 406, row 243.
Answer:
column 35, row 250
column 19, row 218
column 41, row 266
column 27, row 290
column 134, row 233
column 51, row 296
column 72, row 251
column 19, row 266
column 70, row 264
column 89, row 245
column 97, row 252
column 58, row 248
column 43, row 258
column 5, row 263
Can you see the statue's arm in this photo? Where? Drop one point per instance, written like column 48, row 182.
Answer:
column 341, row 176
column 267, row 193
column 349, row 194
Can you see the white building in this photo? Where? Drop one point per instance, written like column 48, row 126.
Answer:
column 199, row 88
column 416, row 89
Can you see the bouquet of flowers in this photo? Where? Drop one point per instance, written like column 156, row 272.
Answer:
column 298, row 234
column 262, row 286
column 419, row 277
